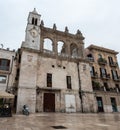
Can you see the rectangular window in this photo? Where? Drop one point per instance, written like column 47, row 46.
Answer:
column 4, row 64
column 110, row 60
column 103, row 72
column 117, row 86
column 2, row 79
column 114, row 74
column 92, row 71
column 49, row 80
column 1, row 101
column 68, row 79
column 114, row 104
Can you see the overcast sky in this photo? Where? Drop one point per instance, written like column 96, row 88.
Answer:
column 98, row 20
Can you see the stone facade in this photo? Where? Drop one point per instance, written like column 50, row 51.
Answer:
column 38, row 63
column 62, row 78
column 7, row 69
column 105, row 77
column 7, row 75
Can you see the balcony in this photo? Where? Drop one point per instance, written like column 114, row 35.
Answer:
column 94, row 75
column 102, row 61
column 90, row 59
column 105, row 76
column 111, row 89
column 113, row 64
column 97, row 86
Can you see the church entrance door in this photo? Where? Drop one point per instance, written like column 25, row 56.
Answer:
column 49, row 102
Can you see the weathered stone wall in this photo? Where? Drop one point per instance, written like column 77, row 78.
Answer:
column 10, row 55
column 59, row 72
column 88, row 97
column 107, row 102
column 27, row 81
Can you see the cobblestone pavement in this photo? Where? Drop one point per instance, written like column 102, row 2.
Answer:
column 61, row 121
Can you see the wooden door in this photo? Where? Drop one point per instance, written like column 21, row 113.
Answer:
column 49, row 102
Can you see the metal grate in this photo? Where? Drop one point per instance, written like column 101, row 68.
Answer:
column 59, row 127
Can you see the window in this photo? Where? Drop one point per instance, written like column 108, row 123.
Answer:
column 68, row 79
column 61, row 47
column 48, row 45
column 34, row 21
column 92, row 71
column 110, row 60
column 114, row 74
column 117, row 86
column 103, row 72
column 49, row 80
column 1, row 101
column 4, row 64
column 74, row 50
column 2, row 79
column 90, row 57
column 99, row 56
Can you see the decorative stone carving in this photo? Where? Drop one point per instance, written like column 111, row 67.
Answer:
column 54, row 27
column 66, row 29
column 79, row 32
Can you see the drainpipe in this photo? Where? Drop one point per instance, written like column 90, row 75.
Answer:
column 9, row 73
column 80, row 89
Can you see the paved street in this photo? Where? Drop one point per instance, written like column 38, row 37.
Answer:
column 64, row 121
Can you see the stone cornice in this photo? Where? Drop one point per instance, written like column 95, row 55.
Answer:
column 94, row 47
column 54, row 56
column 60, row 33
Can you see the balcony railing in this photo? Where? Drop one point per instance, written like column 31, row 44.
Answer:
column 98, row 88
column 90, row 59
column 105, row 76
column 94, row 75
column 111, row 89
column 4, row 68
column 113, row 64
column 102, row 61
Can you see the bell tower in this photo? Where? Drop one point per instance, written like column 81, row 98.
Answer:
column 32, row 36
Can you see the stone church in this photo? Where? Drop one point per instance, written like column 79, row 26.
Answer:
column 54, row 79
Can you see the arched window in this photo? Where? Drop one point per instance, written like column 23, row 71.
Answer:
column 90, row 57
column 32, row 20
column 99, row 56
column 61, row 47
column 35, row 21
column 74, row 50
column 47, row 45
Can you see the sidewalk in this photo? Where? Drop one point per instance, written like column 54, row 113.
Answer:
column 52, row 121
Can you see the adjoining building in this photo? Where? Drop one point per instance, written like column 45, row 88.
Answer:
column 105, row 76
column 7, row 74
